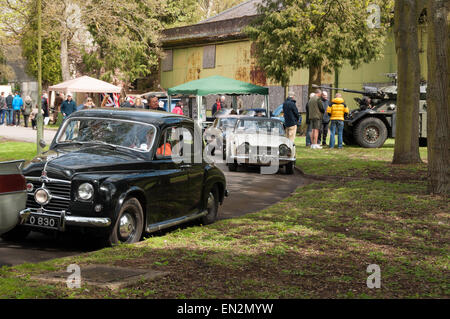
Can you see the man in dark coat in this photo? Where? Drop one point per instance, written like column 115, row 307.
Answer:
column 291, row 116
column 9, row 114
column 315, row 113
column 325, row 120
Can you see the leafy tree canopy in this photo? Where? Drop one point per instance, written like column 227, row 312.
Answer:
column 294, row 34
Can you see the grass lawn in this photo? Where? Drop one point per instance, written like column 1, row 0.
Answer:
column 11, row 150
column 317, row 243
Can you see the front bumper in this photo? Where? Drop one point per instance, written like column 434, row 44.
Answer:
column 66, row 220
column 262, row 159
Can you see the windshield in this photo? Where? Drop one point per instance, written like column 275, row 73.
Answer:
column 227, row 123
column 255, row 113
column 137, row 136
column 260, row 126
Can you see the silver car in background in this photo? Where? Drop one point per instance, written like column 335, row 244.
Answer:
column 13, row 194
column 260, row 141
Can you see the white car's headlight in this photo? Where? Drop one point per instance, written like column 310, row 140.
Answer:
column 285, row 150
column 85, row 191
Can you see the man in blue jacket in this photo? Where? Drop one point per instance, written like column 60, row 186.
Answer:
column 291, row 116
column 17, row 107
column 67, row 108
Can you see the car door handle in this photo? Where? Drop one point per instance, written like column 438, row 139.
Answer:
column 185, row 165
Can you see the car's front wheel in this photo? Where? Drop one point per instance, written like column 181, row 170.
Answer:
column 289, row 168
column 212, row 206
column 129, row 225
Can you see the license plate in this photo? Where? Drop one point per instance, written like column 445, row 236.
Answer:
column 44, row 221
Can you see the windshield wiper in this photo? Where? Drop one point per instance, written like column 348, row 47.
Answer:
column 112, row 146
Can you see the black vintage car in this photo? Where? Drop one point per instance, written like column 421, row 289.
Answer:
column 119, row 174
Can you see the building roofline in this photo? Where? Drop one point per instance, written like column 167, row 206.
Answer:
column 206, row 32
column 225, row 12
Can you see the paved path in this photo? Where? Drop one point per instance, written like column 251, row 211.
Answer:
column 24, row 134
column 249, row 192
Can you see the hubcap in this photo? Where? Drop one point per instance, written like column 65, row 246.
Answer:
column 127, row 226
column 372, row 134
column 210, row 202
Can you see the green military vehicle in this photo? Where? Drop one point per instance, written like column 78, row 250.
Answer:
column 374, row 121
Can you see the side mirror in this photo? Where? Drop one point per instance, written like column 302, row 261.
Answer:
column 42, row 143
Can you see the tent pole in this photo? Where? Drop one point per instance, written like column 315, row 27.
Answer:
column 169, row 101
column 199, row 110
column 267, row 106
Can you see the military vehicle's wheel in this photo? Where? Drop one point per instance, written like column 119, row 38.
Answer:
column 370, row 133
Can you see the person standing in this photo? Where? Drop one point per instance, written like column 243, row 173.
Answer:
column 216, row 107
column 17, row 107
column 154, row 104
column 308, row 128
column 291, row 116
column 9, row 114
column 67, row 108
column 27, row 109
column 33, row 115
column 325, row 120
column 88, row 104
column 3, row 109
column 316, row 111
column 178, row 109
column 45, row 104
column 139, row 104
column 59, row 99
column 337, row 113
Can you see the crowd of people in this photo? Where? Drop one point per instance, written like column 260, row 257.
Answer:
column 321, row 115
column 13, row 108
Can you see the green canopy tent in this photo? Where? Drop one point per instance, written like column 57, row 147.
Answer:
column 217, row 85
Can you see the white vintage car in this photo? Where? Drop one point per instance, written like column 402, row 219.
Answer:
column 13, row 194
column 260, row 141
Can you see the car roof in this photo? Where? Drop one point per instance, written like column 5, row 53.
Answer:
column 228, row 116
column 259, row 118
column 132, row 114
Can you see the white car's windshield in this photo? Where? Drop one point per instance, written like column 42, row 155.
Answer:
column 263, row 126
column 227, row 122
column 107, row 131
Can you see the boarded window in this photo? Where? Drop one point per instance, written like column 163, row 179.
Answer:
column 209, row 57
column 167, row 62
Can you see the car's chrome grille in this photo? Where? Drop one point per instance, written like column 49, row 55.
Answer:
column 58, row 189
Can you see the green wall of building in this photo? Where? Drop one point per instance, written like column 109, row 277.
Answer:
column 236, row 60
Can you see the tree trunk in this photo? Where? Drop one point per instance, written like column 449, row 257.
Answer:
column 406, row 150
column 438, row 98
column 315, row 76
column 64, row 56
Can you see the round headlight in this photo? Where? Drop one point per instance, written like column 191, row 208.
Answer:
column 85, row 191
column 42, row 197
column 285, row 150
